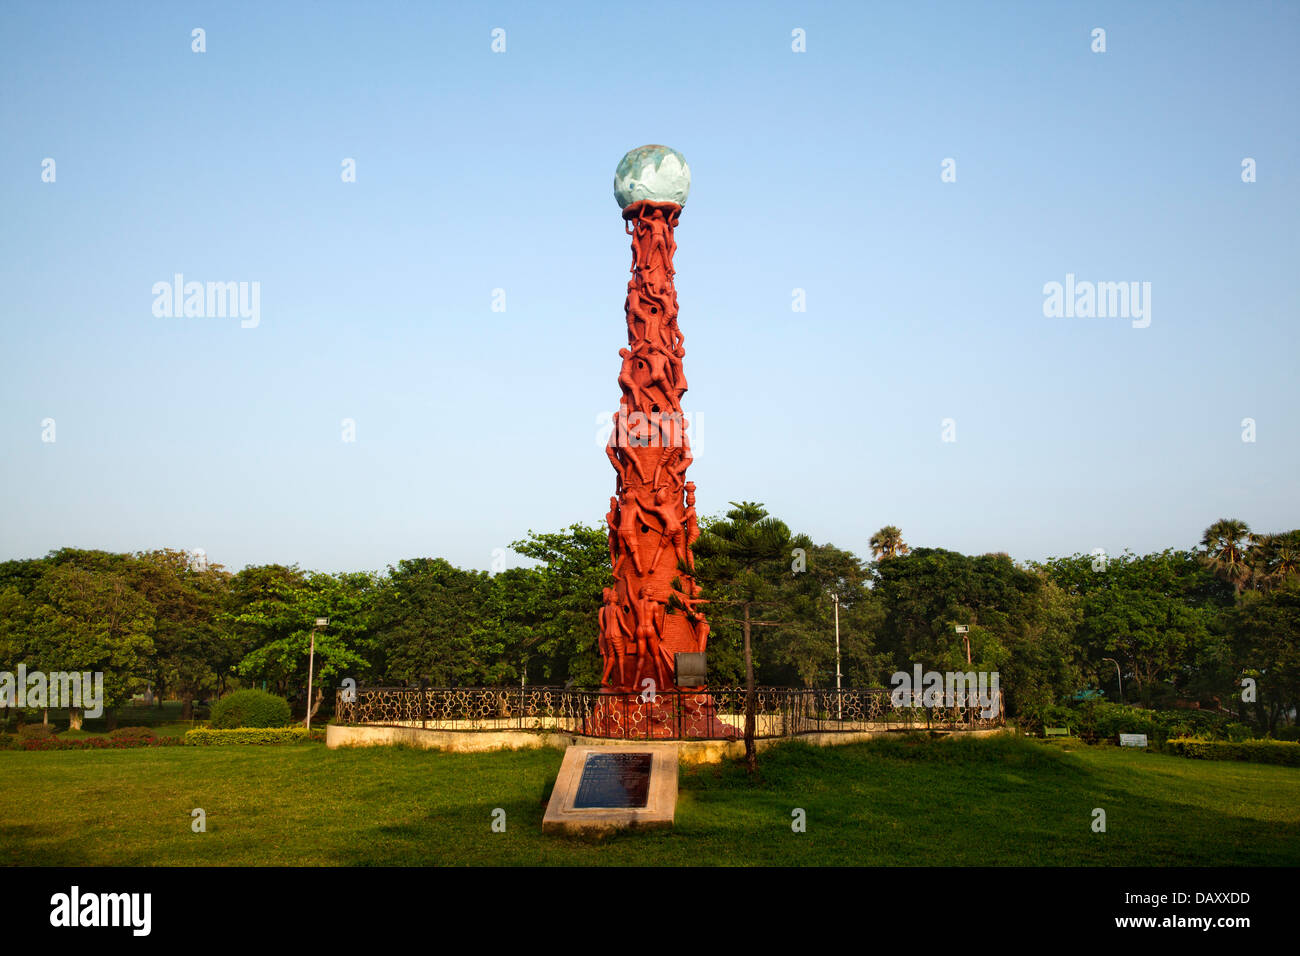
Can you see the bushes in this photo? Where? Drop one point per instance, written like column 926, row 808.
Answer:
column 97, row 743
column 1106, row 721
column 130, row 737
column 143, row 735
column 1236, row 732
column 43, row 737
column 36, row 732
column 1048, row 715
column 1281, row 752
column 250, row 708
column 1102, row 720
column 211, row 736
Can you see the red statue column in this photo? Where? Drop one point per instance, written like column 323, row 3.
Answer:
column 654, row 610
column 649, row 540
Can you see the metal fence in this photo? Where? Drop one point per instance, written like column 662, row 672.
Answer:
column 713, row 714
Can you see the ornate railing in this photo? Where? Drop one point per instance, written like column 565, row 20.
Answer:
column 714, row 714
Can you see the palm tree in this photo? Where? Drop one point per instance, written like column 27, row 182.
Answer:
column 1226, row 547
column 1274, row 558
column 888, row 543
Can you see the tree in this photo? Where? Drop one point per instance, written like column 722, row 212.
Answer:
column 888, row 543
column 189, row 643
column 1274, row 559
column 1266, row 640
column 1019, row 625
column 289, row 617
column 557, row 612
column 930, row 591
column 1154, row 613
column 1043, row 665
column 804, row 650
column 265, row 606
column 431, row 624
column 740, row 560
column 1225, row 543
column 91, row 620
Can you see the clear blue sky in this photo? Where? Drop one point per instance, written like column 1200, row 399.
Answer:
column 478, row 171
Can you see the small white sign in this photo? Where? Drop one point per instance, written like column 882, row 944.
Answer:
column 1132, row 740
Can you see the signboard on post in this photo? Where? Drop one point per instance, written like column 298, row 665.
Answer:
column 1132, row 740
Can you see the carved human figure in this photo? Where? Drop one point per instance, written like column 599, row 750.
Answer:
column 662, row 370
column 657, row 322
column 666, row 457
column 645, row 317
column 692, row 523
column 678, row 463
column 611, row 520
column 676, row 341
column 627, row 379
column 611, row 452
column 617, row 450
column 648, row 649
column 630, row 519
column 665, row 509
column 701, row 627
column 662, row 240
column 613, row 638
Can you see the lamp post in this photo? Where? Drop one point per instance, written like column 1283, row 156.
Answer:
column 311, row 664
column 839, row 697
column 964, row 631
column 1117, row 675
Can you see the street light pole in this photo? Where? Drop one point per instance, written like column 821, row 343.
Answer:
column 1118, row 675
column 839, row 697
column 964, row 631
column 311, row 665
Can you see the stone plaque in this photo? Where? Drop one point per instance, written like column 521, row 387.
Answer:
column 601, row 788
column 614, row 781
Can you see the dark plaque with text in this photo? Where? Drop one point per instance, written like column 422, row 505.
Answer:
column 614, row 781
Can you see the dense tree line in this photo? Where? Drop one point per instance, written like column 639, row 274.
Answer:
column 1178, row 627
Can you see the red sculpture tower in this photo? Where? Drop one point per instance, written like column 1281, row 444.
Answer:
column 653, row 611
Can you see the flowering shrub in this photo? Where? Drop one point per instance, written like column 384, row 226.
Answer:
column 36, row 731
column 97, row 743
column 145, row 734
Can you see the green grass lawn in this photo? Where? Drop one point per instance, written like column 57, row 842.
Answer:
column 913, row 801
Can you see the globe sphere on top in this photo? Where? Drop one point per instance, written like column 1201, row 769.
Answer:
column 656, row 173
